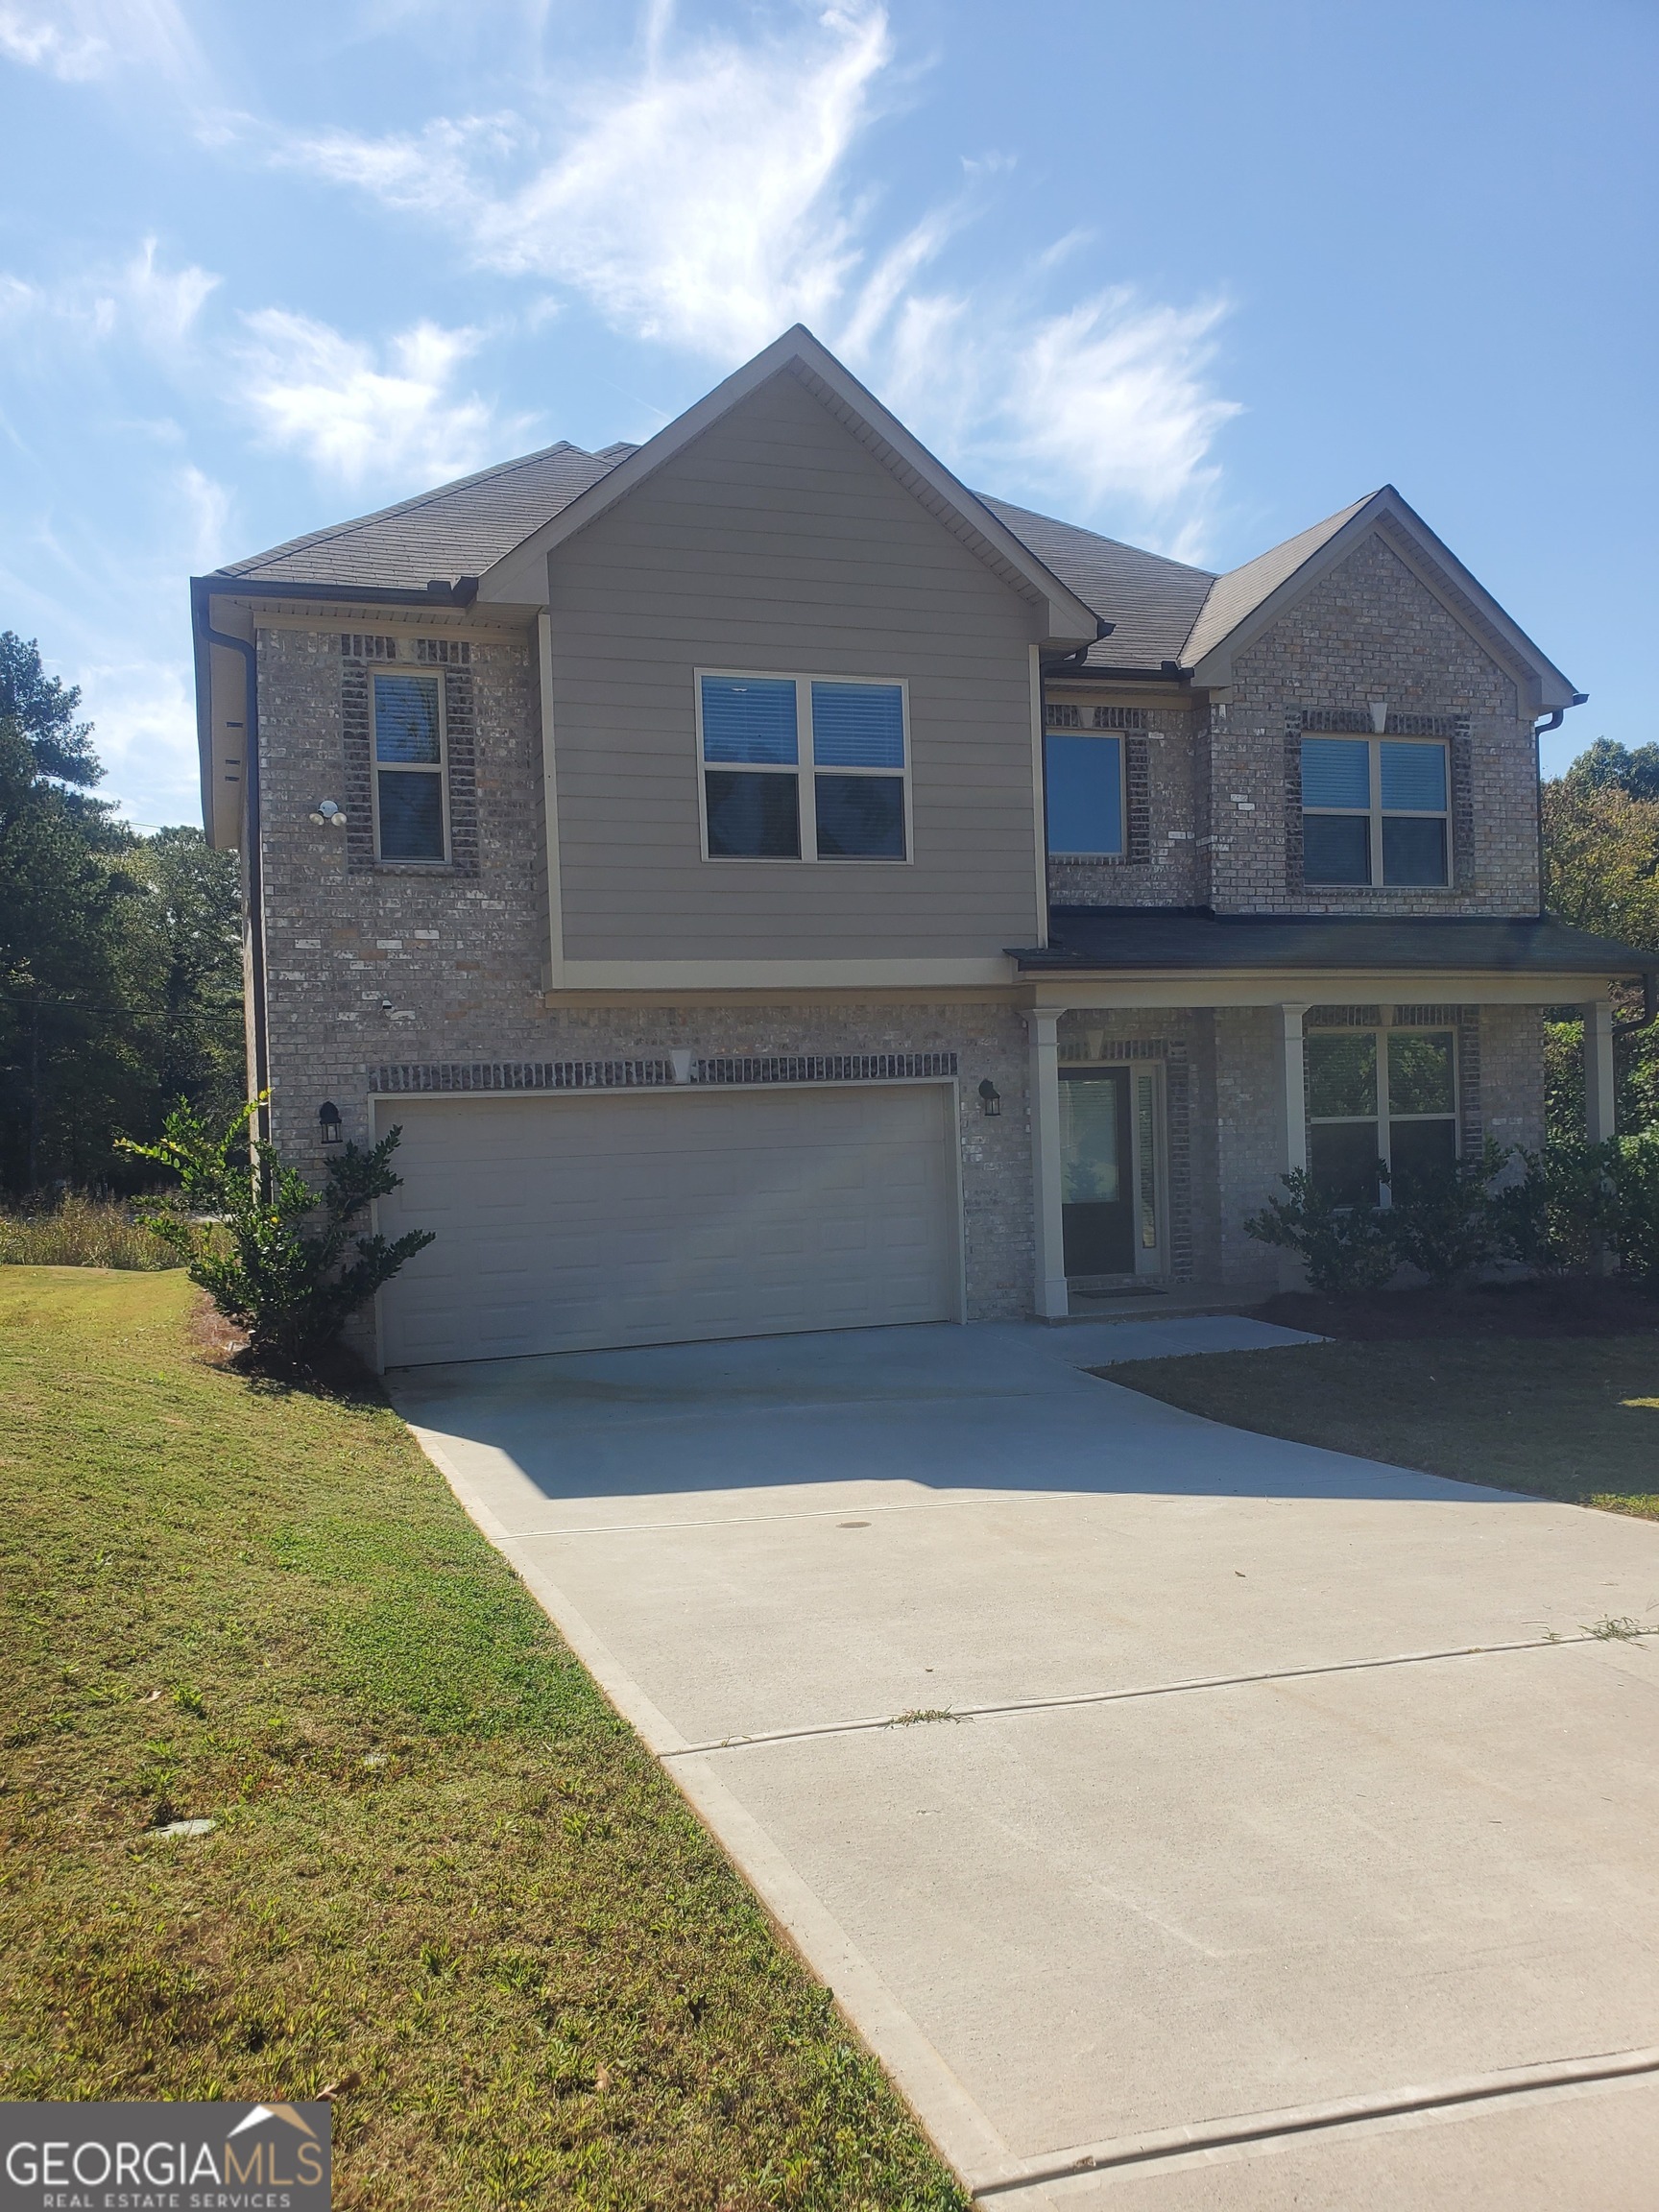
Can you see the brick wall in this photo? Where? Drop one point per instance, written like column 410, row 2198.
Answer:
column 1370, row 630
column 370, row 964
column 1162, row 865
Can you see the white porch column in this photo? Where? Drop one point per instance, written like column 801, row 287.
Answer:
column 1598, row 1085
column 1046, row 1190
column 1293, row 1058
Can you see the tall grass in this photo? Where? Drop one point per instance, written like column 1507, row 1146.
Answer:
column 79, row 1231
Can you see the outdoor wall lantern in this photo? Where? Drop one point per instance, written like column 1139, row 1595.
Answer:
column 990, row 1098
column 329, row 1122
column 327, row 811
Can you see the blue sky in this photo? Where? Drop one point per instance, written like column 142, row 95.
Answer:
column 1195, row 274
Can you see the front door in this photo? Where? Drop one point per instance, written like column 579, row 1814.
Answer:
column 1096, row 1154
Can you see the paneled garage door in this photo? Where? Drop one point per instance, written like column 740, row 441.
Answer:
column 567, row 1223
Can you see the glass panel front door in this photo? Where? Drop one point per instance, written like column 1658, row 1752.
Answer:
column 1096, row 1174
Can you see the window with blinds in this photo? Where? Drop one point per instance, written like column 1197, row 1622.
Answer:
column 803, row 768
column 1374, row 811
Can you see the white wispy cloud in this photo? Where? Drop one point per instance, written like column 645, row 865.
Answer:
column 81, row 40
column 679, row 225
column 141, row 299
column 676, row 221
column 360, row 416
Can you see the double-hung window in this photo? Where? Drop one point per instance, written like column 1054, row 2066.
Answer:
column 1374, row 813
column 803, row 768
column 1083, row 795
column 411, row 819
column 1379, row 1094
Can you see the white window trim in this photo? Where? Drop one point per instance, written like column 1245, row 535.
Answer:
column 427, row 672
column 804, row 770
column 1384, row 1120
column 1096, row 736
column 1377, row 811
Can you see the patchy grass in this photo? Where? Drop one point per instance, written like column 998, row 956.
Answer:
column 1571, row 1418
column 444, row 1875
column 80, row 1231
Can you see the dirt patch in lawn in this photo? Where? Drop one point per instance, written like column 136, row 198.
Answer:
column 1568, row 1308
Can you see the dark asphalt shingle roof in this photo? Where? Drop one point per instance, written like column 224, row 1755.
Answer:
column 1162, row 610
column 1153, row 602
column 458, row 529
column 1092, row 938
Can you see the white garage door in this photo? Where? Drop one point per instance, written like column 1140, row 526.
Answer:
column 567, row 1223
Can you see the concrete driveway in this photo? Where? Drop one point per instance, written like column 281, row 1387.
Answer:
column 1188, row 1820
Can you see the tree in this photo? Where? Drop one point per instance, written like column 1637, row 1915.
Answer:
column 1601, row 872
column 1604, row 764
column 120, row 956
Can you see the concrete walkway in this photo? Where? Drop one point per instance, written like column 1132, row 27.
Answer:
column 1188, row 1820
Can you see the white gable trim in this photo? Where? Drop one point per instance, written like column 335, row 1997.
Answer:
column 1543, row 685
column 520, row 577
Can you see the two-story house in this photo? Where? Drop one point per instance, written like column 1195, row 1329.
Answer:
column 777, row 888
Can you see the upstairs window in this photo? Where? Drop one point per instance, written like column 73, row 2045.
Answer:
column 1374, row 813
column 411, row 816
column 1083, row 796
column 803, row 768
column 1379, row 1094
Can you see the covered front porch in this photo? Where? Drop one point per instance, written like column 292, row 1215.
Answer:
column 1170, row 1091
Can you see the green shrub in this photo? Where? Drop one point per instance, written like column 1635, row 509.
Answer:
column 80, row 1231
column 1447, row 1224
column 239, row 1223
column 1563, row 1211
column 1635, row 1177
column 1343, row 1248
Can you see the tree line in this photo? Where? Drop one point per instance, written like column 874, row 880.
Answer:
column 121, row 953
column 120, row 956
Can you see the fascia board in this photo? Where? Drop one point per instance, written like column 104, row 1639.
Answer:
column 202, row 658
column 1098, row 991
column 521, row 574
column 1436, row 567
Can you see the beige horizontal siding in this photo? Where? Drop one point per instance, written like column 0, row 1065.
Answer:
column 778, row 543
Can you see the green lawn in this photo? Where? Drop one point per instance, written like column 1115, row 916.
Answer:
column 442, row 1864
column 1575, row 1418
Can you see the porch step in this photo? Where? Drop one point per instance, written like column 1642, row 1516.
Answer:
column 1155, row 1304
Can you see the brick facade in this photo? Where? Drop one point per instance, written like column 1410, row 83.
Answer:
column 372, row 968
column 1370, row 629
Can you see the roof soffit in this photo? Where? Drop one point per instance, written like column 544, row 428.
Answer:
column 521, row 574
column 1388, row 516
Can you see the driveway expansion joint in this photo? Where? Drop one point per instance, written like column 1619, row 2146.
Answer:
column 1267, row 2128
column 869, row 1726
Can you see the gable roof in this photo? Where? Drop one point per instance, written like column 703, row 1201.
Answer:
column 458, row 529
column 1242, row 591
column 1067, row 616
column 1165, row 617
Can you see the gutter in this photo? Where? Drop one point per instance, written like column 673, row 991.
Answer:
column 440, row 593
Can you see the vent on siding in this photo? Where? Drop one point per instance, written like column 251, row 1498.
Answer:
column 451, row 652
column 354, row 645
